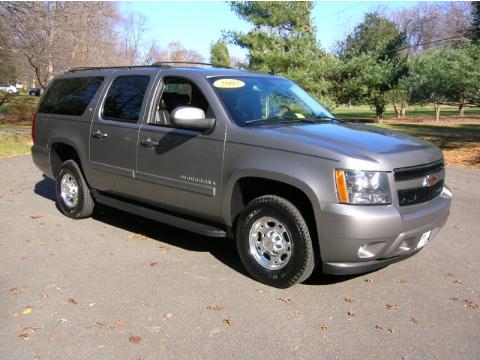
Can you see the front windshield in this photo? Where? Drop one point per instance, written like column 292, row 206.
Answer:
column 256, row 101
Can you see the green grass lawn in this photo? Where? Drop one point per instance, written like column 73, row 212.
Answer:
column 364, row 112
column 14, row 144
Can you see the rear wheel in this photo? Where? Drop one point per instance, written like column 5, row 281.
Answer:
column 274, row 243
column 73, row 195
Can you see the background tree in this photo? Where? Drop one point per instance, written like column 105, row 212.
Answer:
column 475, row 27
column 174, row 51
column 431, row 79
column 51, row 37
column 219, row 54
column 373, row 62
column 283, row 41
column 7, row 61
column 428, row 24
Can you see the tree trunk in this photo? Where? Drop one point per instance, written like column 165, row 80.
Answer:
column 397, row 110
column 461, row 109
column 403, row 110
column 437, row 113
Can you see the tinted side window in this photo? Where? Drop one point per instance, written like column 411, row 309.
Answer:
column 70, row 96
column 125, row 97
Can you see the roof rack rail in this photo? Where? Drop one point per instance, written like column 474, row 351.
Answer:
column 165, row 64
column 111, row 67
column 162, row 63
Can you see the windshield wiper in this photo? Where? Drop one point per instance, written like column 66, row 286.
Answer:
column 253, row 121
column 312, row 120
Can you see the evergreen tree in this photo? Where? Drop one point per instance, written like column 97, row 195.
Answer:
column 219, row 54
column 283, row 41
column 373, row 62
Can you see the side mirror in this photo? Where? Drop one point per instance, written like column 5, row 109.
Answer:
column 191, row 118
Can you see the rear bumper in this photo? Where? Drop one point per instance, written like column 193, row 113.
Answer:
column 360, row 239
column 41, row 159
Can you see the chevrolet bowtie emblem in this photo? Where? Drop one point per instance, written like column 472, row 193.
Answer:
column 430, row 180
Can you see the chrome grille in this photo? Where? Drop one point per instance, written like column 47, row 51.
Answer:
column 413, row 187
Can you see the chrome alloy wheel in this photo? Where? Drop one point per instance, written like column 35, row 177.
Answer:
column 69, row 190
column 270, row 243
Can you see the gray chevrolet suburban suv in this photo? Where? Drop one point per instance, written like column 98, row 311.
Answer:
column 230, row 153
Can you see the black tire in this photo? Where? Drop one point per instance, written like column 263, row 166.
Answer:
column 302, row 259
column 85, row 204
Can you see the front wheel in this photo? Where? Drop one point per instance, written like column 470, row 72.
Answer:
column 274, row 243
column 73, row 195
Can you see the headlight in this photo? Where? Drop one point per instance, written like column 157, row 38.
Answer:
column 362, row 187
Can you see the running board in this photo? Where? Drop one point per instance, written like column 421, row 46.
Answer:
column 185, row 224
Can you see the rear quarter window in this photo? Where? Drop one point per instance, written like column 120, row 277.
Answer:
column 70, row 96
column 125, row 97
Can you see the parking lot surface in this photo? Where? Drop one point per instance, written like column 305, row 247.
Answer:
column 117, row 286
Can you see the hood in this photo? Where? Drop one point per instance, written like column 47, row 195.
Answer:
column 356, row 145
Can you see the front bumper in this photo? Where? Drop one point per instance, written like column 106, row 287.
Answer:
column 357, row 239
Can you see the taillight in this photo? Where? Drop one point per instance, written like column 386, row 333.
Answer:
column 34, row 117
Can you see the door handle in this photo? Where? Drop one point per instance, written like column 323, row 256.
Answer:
column 149, row 142
column 99, row 134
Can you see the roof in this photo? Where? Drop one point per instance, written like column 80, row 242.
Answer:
column 210, row 71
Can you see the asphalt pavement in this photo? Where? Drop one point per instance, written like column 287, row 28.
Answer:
column 117, row 286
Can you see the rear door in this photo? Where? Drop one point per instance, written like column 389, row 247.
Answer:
column 114, row 132
column 176, row 168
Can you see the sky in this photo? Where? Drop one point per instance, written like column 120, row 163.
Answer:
column 197, row 24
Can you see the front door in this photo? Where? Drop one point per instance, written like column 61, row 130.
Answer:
column 114, row 133
column 181, row 169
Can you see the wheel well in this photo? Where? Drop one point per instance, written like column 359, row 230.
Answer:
column 247, row 189
column 60, row 152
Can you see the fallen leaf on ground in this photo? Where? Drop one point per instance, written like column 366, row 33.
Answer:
column 368, row 280
column 259, row 290
column 62, row 320
column 159, row 275
column 51, row 336
column 24, row 257
column 44, row 296
column 15, row 291
column 458, row 281
column 323, row 327
column 134, row 339
column 391, row 306
column 118, row 324
column 139, row 237
column 27, row 310
column 402, row 281
column 25, row 334
column 35, row 216
column 286, row 300
column 60, row 238
column 349, row 300
column 43, row 243
column 168, row 316
column 214, row 307
column 153, row 263
column 213, row 332
column 415, row 321
column 379, row 327
column 296, row 314
column 448, row 274
column 351, row 313
column 36, row 357
column 154, row 329
column 455, row 299
column 470, row 304
column 228, row 321
column 72, row 301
